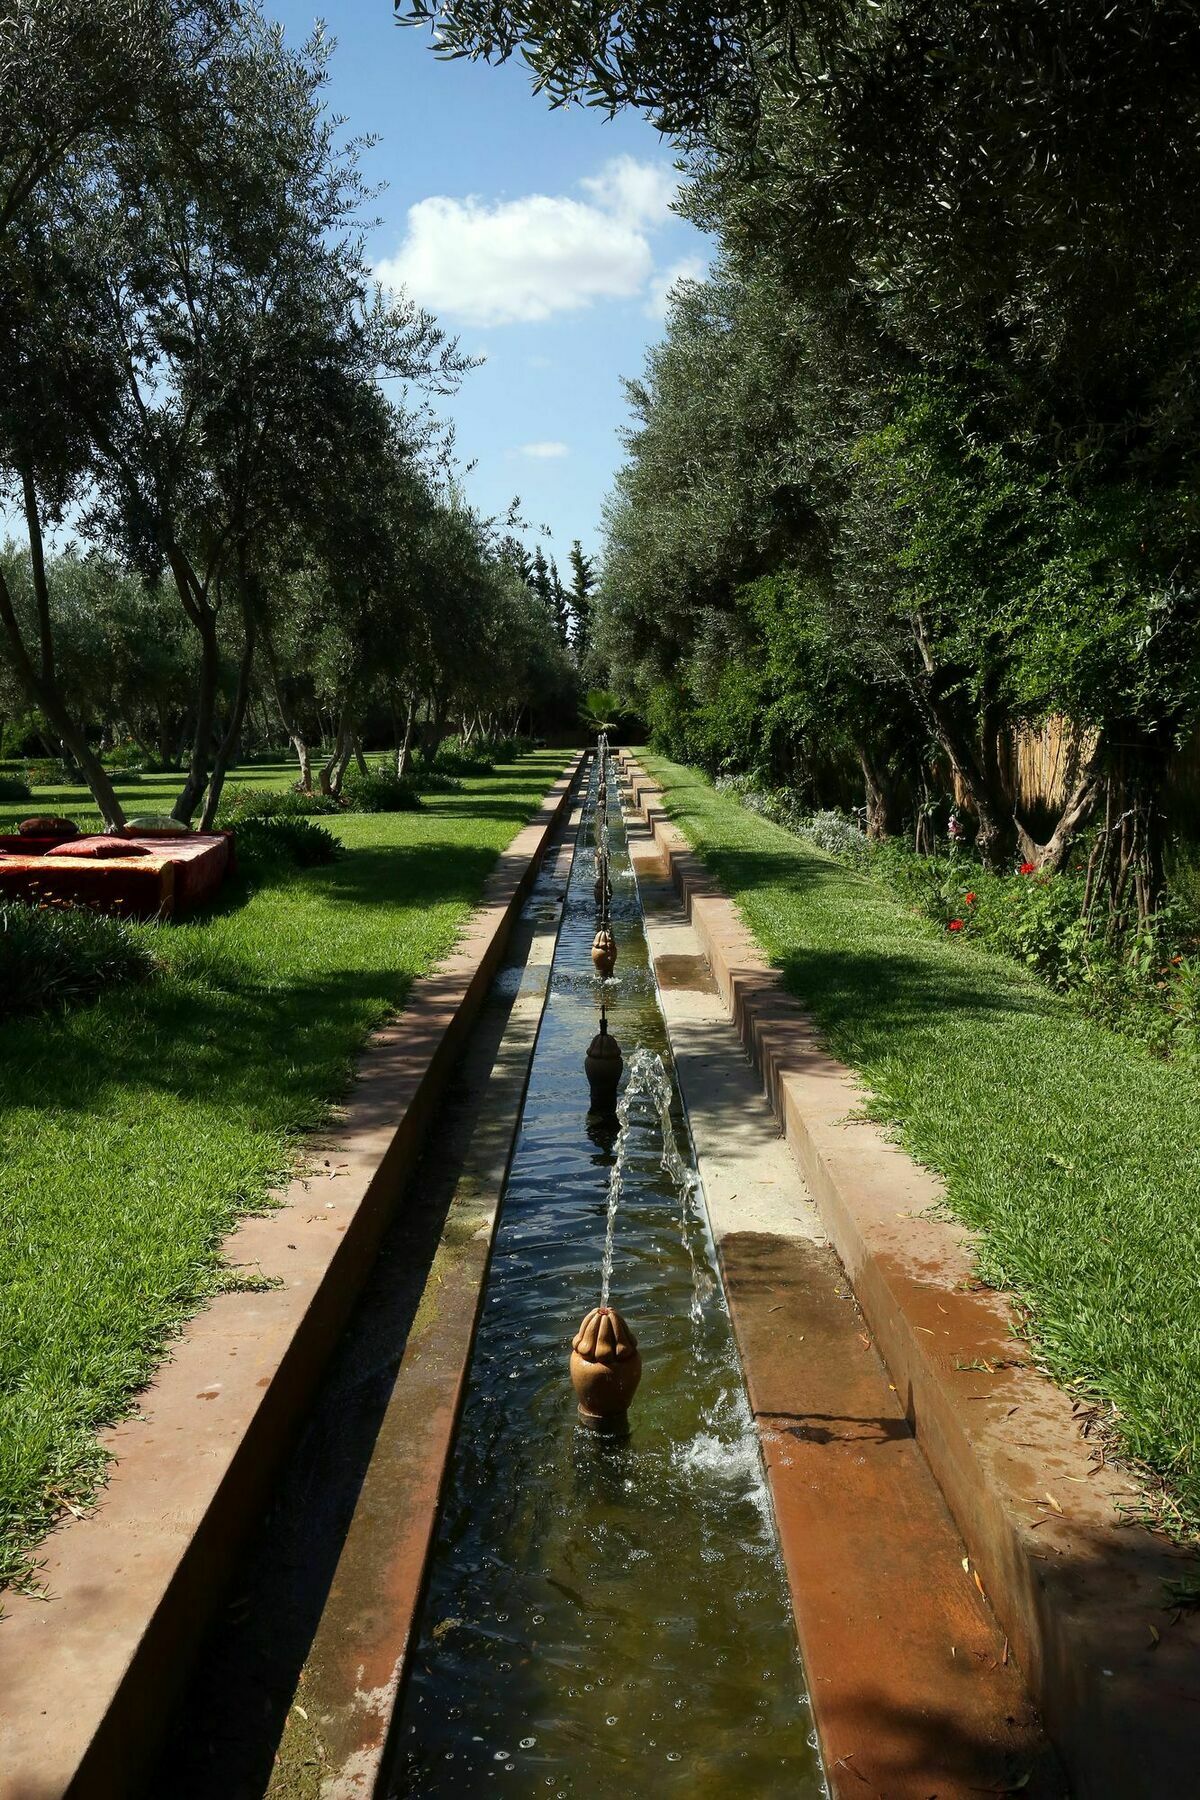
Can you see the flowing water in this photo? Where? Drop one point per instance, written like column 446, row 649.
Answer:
column 605, row 1618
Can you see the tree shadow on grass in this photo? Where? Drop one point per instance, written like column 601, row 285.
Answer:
column 901, row 978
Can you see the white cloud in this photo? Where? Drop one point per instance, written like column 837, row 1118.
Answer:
column 519, row 261
column 639, row 193
column 545, row 449
column 690, row 268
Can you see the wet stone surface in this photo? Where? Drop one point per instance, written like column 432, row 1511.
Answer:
column 604, row 1618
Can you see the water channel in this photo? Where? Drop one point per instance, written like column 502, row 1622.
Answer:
column 604, row 1618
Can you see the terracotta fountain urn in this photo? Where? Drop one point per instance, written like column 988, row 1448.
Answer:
column 606, row 1367
column 602, row 889
column 602, row 1065
column 604, row 951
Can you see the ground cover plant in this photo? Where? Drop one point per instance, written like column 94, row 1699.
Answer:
column 1069, row 1149
column 57, row 956
column 135, row 1130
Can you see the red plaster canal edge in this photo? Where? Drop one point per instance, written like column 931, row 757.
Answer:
column 1113, row 1669
column 87, row 1673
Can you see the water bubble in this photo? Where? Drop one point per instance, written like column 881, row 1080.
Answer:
column 501, row 1755
column 674, row 1756
column 528, row 1743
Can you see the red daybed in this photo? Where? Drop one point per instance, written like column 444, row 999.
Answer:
column 174, row 875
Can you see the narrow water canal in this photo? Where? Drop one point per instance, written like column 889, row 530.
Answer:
column 604, row 1618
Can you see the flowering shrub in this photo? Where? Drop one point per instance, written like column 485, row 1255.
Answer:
column 834, row 832
column 838, row 835
column 51, row 774
column 1146, row 985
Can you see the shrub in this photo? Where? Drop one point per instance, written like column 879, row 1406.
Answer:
column 126, row 758
column 57, row 956
column 435, row 781
column 1146, row 985
column 267, row 846
column 14, row 787
column 52, row 774
column 380, row 790
column 241, row 805
column 453, row 757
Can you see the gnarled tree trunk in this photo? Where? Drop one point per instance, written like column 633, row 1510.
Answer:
column 39, row 679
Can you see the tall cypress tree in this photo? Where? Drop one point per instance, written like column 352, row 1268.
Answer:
column 559, row 603
column 583, row 583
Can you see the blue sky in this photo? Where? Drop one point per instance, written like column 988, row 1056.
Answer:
column 542, row 238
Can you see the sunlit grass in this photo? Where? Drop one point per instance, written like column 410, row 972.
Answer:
column 1069, row 1149
column 133, row 1131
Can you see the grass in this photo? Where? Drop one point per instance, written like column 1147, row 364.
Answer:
column 1069, row 1150
column 134, row 1131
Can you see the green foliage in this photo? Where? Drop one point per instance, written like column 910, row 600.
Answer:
column 51, row 774
column 128, row 758
column 266, row 845
column 380, row 790
column 14, row 787
column 1142, row 983
column 246, row 803
column 454, row 757
column 479, row 756
column 169, row 1109
column 1066, row 1148
column 435, row 781
column 601, row 710
column 57, row 956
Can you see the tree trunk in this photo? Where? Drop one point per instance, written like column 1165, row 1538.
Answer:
column 1128, row 863
column 290, row 723
column 195, row 604
column 404, row 750
column 978, row 775
column 881, row 796
column 233, row 726
column 1054, row 854
column 359, row 758
column 326, row 772
column 305, row 760
column 341, row 765
column 40, row 684
column 332, row 772
column 435, row 724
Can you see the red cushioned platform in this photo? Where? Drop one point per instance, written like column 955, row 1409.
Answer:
column 174, row 876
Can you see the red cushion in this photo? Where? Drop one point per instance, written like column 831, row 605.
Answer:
column 100, row 848
column 47, row 825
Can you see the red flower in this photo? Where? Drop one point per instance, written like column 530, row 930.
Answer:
column 1029, row 868
column 955, row 925
column 970, row 899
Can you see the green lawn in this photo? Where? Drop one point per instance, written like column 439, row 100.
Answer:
column 134, row 1131
column 1071, row 1151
